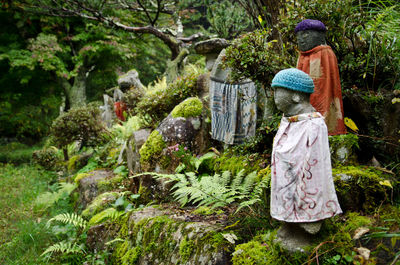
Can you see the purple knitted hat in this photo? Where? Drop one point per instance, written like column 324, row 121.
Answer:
column 312, row 24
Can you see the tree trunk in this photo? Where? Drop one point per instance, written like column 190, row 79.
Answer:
column 76, row 93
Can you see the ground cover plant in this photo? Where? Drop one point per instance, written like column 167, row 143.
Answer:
column 23, row 232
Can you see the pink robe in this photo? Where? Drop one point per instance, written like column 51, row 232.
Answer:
column 321, row 64
column 302, row 188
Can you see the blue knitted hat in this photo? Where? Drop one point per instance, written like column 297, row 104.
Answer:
column 293, row 79
column 310, row 24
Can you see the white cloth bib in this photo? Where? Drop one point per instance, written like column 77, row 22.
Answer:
column 302, row 188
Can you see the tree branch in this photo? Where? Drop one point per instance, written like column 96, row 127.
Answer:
column 79, row 9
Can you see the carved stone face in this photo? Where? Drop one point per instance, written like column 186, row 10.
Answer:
column 308, row 39
column 283, row 99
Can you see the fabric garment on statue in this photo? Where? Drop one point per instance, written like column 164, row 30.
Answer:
column 302, row 188
column 321, row 64
column 233, row 111
column 119, row 108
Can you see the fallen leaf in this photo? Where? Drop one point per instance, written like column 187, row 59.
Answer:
column 360, row 232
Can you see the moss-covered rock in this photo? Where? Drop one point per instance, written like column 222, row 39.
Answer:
column 161, row 236
column 88, row 184
column 100, row 203
column 191, row 107
column 361, row 187
column 264, row 250
column 110, row 184
column 151, row 150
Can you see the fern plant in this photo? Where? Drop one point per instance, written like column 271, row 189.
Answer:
column 69, row 218
column 74, row 244
column 63, row 247
column 214, row 191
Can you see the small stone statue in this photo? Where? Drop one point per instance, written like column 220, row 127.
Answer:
column 319, row 61
column 302, row 189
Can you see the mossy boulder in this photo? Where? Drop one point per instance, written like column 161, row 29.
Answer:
column 362, row 188
column 100, row 203
column 88, row 184
column 151, row 150
column 162, row 236
column 191, row 107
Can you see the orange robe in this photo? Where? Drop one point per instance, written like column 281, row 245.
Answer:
column 321, row 64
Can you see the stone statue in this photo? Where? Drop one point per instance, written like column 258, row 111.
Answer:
column 233, row 105
column 319, row 61
column 302, row 189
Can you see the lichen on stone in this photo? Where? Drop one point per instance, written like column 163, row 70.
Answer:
column 191, row 107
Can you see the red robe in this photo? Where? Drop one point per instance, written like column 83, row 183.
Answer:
column 321, row 64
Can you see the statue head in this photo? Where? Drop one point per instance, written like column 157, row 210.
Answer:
column 310, row 33
column 292, row 93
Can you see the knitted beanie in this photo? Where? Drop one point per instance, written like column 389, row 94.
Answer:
column 293, row 79
column 310, row 24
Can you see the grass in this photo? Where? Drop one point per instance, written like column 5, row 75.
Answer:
column 16, row 153
column 23, row 234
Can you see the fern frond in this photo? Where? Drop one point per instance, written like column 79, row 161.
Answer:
column 63, row 247
column 69, row 218
column 237, row 180
column 107, row 214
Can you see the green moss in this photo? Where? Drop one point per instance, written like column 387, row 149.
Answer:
column 191, row 107
column 186, row 249
column 80, row 176
column 100, row 203
column 230, row 162
column 354, row 221
column 131, row 256
column 72, row 162
column 361, row 188
column 263, row 250
column 109, row 184
column 151, row 150
column 204, row 210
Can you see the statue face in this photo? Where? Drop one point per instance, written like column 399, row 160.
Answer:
column 283, row 99
column 308, row 39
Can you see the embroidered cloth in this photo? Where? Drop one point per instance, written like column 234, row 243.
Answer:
column 321, row 64
column 302, row 188
column 233, row 111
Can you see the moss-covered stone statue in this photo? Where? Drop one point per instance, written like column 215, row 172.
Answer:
column 302, row 189
column 319, row 61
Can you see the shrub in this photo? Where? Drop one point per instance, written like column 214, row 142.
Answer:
column 48, row 158
column 257, row 57
column 79, row 124
column 161, row 98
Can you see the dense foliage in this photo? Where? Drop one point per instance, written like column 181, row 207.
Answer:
column 79, row 124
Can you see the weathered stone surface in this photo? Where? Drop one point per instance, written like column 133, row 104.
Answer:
column 88, row 189
column 293, row 238
column 211, row 46
column 140, row 137
column 162, row 236
column 129, row 80
column 179, row 130
column 97, row 237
